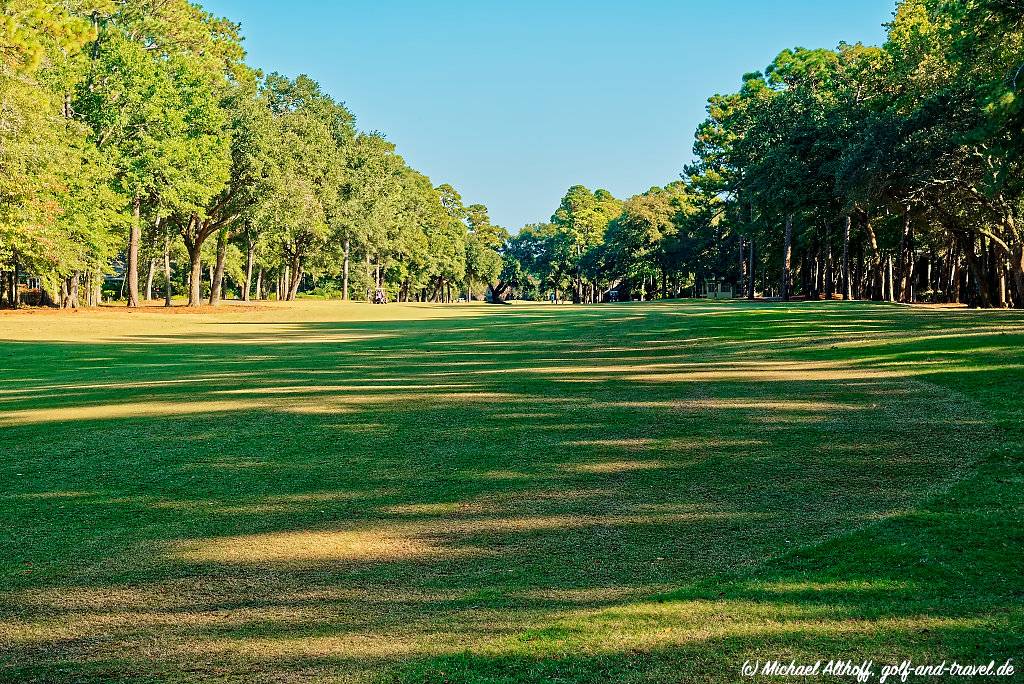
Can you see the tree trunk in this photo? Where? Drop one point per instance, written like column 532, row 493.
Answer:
column 752, row 249
column 296, row 280
column 906, row 270
column 808, row 275
column 876, row 261
column 847, row 272
column 830, row 266
column 1001, row 283
column 742, row 284
column 149, row 279
column 167, row 269
column 751, row 287
column 134, row 239
column 497, row 292
column 15, row 285
column 890, row 294
column 578, row 294
column 195, row 283
column 250, row 260
column 787, row 261
column 345, row 268
column 69, row 291
column 953, row 277
column 217, row 277
column 817, row 275
column 1017, row 274
column 976, row 270
column 73, row 288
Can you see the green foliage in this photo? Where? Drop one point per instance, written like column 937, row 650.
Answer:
column 918, row 144
column 57, row 209
column 114, row 108
column 117, row 108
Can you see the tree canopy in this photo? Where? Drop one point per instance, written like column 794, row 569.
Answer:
column 137, row 146
column 889, row 172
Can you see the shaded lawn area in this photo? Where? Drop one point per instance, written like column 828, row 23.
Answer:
column 645, row 492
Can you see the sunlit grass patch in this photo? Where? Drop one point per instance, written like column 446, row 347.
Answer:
column 331, row 492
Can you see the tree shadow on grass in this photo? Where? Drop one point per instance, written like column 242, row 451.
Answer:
column 514, row 495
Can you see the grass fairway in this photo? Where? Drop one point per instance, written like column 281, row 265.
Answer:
column 634, row 493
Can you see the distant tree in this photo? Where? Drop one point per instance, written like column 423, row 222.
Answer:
column 582, row 218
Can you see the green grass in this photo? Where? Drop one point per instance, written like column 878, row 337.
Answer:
column 635, row 493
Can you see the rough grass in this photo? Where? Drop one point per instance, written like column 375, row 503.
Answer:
column 637, row 493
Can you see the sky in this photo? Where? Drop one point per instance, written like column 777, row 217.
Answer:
column 514, row 102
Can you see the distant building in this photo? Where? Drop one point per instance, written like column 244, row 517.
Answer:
column 718, row 289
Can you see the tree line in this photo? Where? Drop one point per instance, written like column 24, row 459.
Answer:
column 136, row 143
column 886, row 173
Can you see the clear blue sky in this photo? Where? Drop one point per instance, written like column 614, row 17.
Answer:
column 513, row 102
